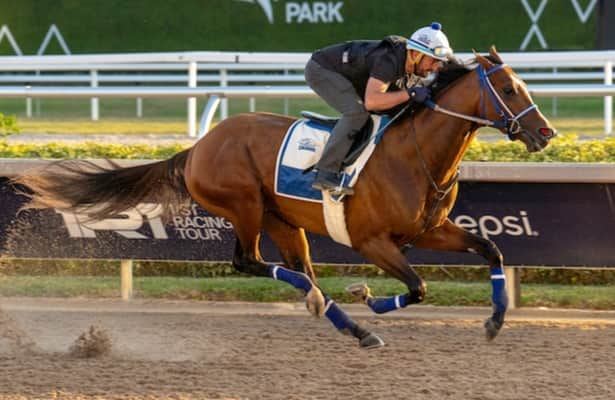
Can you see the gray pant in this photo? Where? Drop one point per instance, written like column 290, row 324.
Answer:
column 339, row 93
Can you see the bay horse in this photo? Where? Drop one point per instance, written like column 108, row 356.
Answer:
column 404, row 195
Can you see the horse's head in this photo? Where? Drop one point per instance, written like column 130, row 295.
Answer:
column 506, row 101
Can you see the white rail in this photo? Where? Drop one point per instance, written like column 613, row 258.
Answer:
column 546, row 59
column 260, row 69
column 159, row 92
column 569, row 90
column 215, row 93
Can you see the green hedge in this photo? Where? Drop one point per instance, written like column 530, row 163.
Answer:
column 563, row 149
column 605, row 276
column 87, row 150
column 8, row 124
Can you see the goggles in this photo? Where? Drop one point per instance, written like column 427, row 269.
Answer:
column 439, row 52
column 442, row 51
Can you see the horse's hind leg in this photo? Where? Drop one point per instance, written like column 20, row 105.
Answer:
column 291, row 242
column 245, row 209
column 293, row 246
column 252, row 264
column 237, row 195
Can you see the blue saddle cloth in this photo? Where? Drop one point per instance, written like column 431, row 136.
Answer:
column 301, row 149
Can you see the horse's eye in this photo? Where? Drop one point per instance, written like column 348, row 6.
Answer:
column 509, row 90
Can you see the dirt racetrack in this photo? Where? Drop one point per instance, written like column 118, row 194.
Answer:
column 198, row 350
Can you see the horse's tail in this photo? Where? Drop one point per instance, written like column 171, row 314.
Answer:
column 105, row 190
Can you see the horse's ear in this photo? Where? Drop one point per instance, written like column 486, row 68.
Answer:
column 494, row 54
column 482, row 60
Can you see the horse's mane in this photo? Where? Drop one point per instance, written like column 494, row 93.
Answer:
column 450, row 73
column 455, row 69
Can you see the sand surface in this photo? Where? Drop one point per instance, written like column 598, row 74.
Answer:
column 199, row 350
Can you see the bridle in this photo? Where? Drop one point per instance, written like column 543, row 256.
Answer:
column 509, row 123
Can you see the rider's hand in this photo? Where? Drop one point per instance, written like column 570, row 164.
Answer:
column 418, row 94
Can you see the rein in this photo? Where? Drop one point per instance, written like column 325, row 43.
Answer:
column 508, row 122
column 440, row 192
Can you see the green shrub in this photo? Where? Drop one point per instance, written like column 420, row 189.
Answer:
column 99, row 268
column 42, row 267
column 8, row 125
column 566, row 148
column 563, row 149
column 87, row 150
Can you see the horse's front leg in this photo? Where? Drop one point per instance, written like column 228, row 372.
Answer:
column 451, row 237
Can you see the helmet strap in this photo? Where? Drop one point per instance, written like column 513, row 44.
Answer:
column 417, row 59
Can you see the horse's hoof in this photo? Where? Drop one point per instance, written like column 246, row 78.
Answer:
column 371, row 341
column 315, row 302
column 359, row 291
column 491, row 329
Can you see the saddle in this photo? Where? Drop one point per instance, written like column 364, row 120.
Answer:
column 360, row 138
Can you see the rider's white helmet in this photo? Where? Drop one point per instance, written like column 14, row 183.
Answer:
column 430, row 40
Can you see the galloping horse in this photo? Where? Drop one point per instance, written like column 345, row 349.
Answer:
column 403, row 197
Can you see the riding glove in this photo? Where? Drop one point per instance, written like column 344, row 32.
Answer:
column 418, row 94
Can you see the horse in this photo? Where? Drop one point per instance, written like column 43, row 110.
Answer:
column 403, row 197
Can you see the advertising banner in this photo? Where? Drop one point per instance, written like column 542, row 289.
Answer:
column 535, row 224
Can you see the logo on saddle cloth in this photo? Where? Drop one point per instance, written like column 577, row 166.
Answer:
column 307, row 144
column 301, row 149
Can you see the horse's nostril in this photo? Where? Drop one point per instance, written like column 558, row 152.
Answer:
column 547, row 132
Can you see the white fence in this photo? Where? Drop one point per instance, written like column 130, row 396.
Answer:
column 216, row 93
column 266, row 72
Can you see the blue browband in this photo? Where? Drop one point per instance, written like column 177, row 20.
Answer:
column 484, row 83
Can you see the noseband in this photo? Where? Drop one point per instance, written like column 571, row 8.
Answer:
column 509, row 122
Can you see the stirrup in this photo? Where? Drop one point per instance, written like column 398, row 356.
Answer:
column 341, row 190
column 334, row 190
column 332, row 183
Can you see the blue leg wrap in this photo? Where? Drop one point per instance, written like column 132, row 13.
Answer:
column 297, row 279
column 381, row 305
column 498, row 285
column 338, row 317
column 332, row 311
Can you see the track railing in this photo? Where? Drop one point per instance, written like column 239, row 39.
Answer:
column 188, row 69
column 215, row 94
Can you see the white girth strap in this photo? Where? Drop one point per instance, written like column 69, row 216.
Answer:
column 335, row 219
